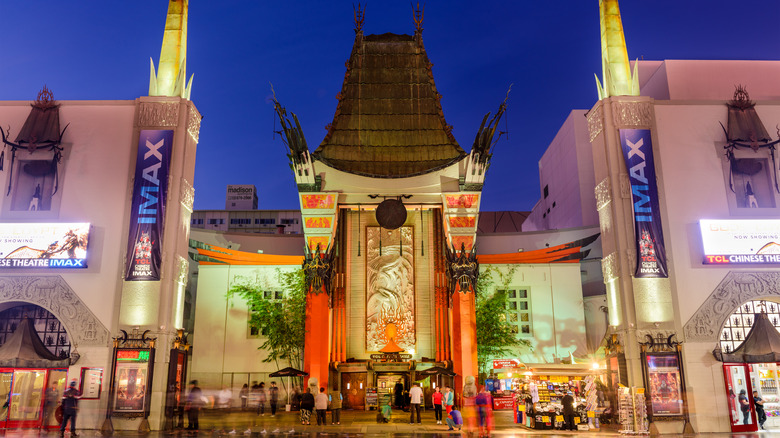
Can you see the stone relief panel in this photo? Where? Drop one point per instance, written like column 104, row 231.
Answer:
column 626, row 114
column 735, row 289
column 193, row 125
column 610, row 268
column 605, row 220
column 153, row 114
column 595, row 122
column 56, row 296
column 183, row 269
column 390, row 287
column 187, row 194
column 625, row 186
column 603, row 194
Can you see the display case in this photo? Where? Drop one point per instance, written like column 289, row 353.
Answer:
column 765, row 380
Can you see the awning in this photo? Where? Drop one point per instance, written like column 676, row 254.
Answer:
column 24, row 349
column 762, row 344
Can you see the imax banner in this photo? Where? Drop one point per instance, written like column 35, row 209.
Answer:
column 144, row 252
column 638, row 155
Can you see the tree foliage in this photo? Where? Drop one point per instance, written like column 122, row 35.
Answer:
column 494, row 333
column 281, row 322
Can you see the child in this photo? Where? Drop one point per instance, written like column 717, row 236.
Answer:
column 454, row 419
column 384, row 415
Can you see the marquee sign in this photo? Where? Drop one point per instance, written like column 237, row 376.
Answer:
column 150, row 190
column 741, row 241
column 638, row 155
column 34, row 245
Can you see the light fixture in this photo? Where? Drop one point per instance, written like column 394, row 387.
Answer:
column 347, row 385
column 595, row 365
column 509, row 375
column 361, row 385
column 434, row 385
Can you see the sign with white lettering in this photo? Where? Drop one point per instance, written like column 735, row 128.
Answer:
column 144, row 252
column 638, row 154
column 741, row 241
column 32, row 245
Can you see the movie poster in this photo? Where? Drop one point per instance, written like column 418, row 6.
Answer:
column 638, row 155
column 150, row 187
column 131, row 380
column 664, row 384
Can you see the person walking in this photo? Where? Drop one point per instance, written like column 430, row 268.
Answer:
column 336, row 400
column 568, row 411
column 193, row 405
column 484, row 402
column 70, row 407
column 468, row 408
column 307, row 404
column 261, row 399
column 744, row 405
column 243, row 395
column 437, row 399
column 415, row 399
column 449, row 399
column 758, row 404
column 273, row 397
column 49, row 405
column 321, row 405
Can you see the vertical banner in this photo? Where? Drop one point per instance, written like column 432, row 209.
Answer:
column 144, row 252
column 638, row 154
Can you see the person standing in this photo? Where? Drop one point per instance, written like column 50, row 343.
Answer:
column 449, row 399
column 399, row 394
column 321, row 405
column 307, row 404
column 243, row 395
column 261, row 399
column 50, row 404
column 194, row 403
column 758, row 403
column 273, row 395
column 335, row 406
column 70, row 407
column 744, row 405
column 415, row 399
column 437, row 398
column 568, row 411
column 468, row 408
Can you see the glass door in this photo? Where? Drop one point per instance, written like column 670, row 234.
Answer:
column 740, row 395
column 52, row 396
column 26, row 398
column 6, row 377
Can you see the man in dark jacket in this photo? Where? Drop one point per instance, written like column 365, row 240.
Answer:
column 194, row 403
column 273, row 396
column 568, row 411
column 70, row 406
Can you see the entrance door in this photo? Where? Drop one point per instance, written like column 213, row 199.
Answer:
column 52, row 397
column 26, row 398
column 739, row 392
column 353, row 386
column 6, row 377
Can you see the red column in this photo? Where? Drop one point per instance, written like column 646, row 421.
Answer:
column 316, row 352
column 464, row 337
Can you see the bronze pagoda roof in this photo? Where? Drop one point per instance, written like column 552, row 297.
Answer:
column 389, row 122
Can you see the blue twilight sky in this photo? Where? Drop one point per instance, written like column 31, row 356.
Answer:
column 89, row 49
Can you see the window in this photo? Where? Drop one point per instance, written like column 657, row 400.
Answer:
column 266, row 221
column 519, row 311
column 546, row 192
column 268, row 295
column 212, row 221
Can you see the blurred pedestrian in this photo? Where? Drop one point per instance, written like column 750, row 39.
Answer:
column 261, row 399
column 758, row 403
column 568, row 411
column 70, row 407
column 193, row 405
column 273, row 396
column 484, row 402
column 335, row 399
column 437, row 398
column 321, row 405
column 415, row 400
column 243, row 395
column 449, row 399
column 50, row 404
column 398, row 392
column 468, row 408
column 307, row 404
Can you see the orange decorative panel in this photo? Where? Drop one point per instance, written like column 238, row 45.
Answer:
column 318, row 222
column 313, row 241
column 462, row 221
column 461, row 201
column 318, row 201
column 467, row 240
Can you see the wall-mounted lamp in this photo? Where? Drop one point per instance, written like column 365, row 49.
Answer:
column 347, row 385
column 434, row 385
column 361, row 385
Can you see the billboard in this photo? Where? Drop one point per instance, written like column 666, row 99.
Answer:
column 150, row 190
column 34, row 245
column 241, row 197
column 745, row 241
column 638, row 155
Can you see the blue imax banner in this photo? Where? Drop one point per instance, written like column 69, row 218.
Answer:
column 638, row 155
column 144, row 251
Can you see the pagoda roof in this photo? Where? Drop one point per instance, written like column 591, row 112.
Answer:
column 389, row 122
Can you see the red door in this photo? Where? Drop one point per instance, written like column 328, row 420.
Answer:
column 740, row 395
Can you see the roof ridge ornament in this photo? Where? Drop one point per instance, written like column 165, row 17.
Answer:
column 359, row 16
column 418, row 15
column 741, row 98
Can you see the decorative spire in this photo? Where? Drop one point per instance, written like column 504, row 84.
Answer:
column 360, row 17
column 171, row 76
column 419, row 14
column 616, row 70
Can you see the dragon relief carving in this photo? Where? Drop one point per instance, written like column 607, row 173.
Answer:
column 462, row 269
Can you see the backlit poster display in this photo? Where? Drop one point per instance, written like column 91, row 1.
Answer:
column 131, row 380
column 741, row 241
column 43, row 245
column 664, row 384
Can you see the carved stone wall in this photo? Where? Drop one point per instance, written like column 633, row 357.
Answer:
column 735, row 289
column 625, row 186
column 187, row 194
column 151, row 114
column 55, row 295
column 595, row 122
column 193, row 125
column 603, row 194
column 610, row 268
column 632, row 114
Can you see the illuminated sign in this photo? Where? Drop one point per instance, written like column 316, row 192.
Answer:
column 740, row 241
column 53, row 246
column 507, row 363
column 133, row 355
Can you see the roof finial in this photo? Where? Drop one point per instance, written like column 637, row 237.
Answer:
column 360, row 17
column 616, row 70
column 418, row 17
column 171, row 75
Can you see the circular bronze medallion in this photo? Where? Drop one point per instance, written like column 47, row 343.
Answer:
column 391, row 214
